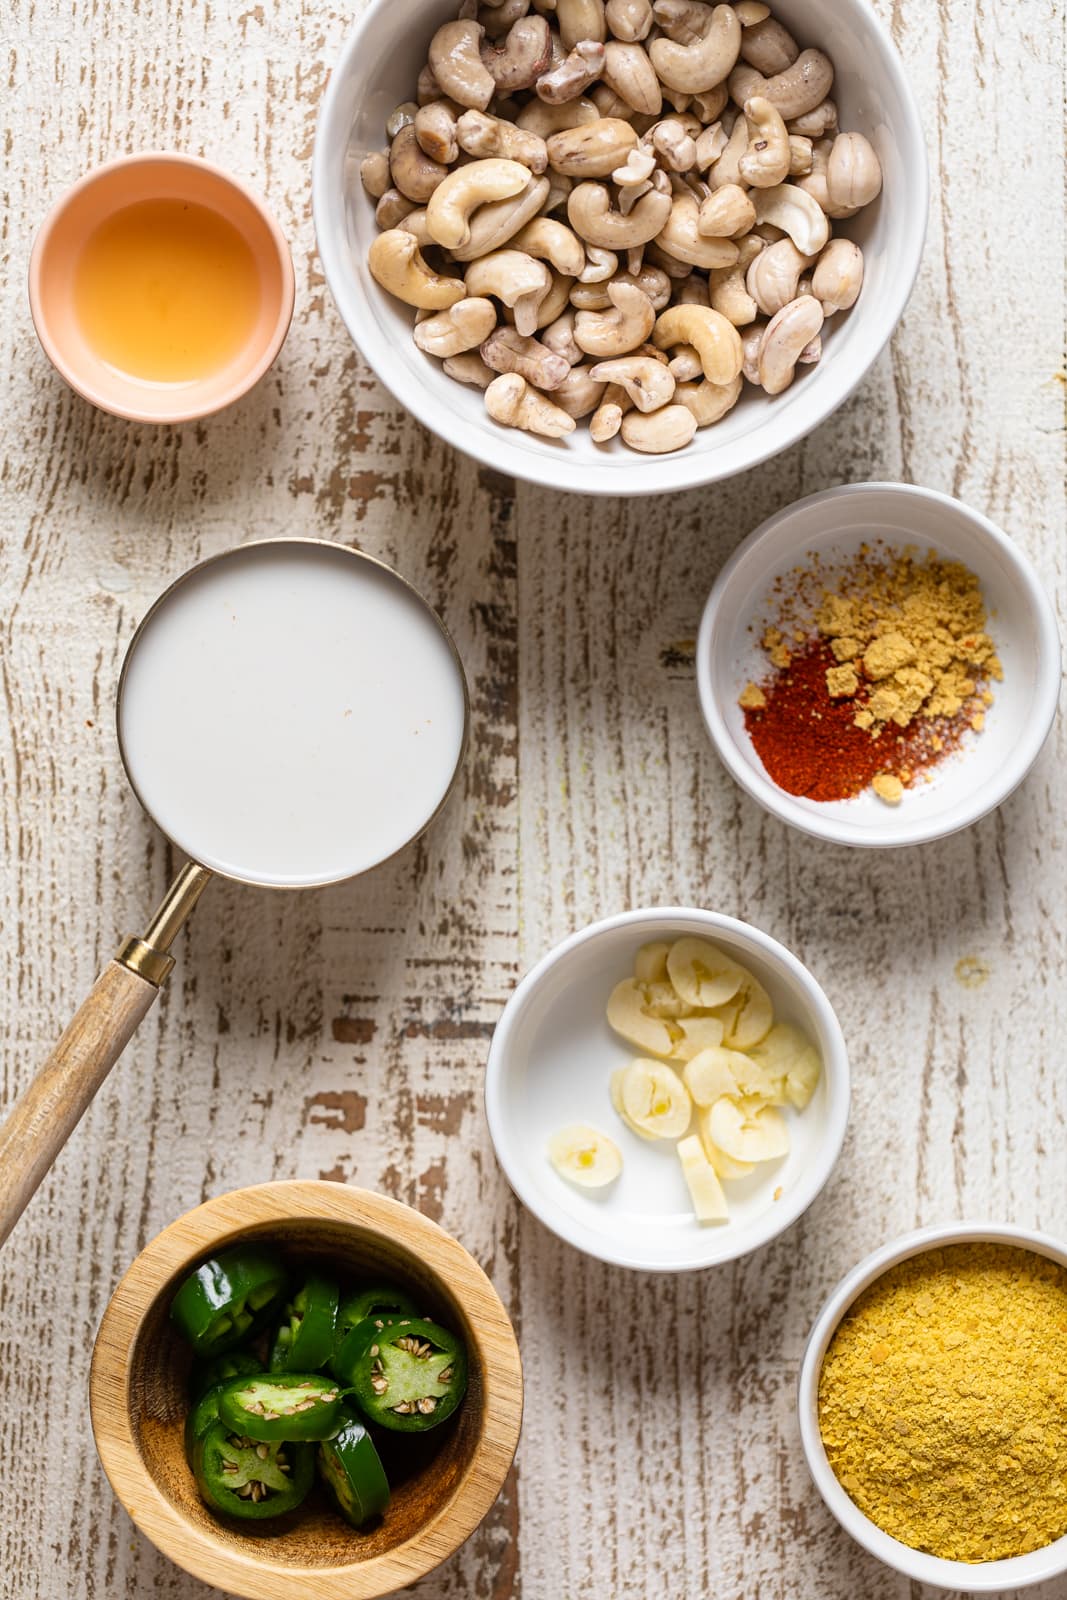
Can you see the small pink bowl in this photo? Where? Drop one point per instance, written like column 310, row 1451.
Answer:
column 110, row 188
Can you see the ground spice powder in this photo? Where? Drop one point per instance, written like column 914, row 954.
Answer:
column 943, row 1402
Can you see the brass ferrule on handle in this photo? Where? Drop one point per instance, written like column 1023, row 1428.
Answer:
column 149, row 957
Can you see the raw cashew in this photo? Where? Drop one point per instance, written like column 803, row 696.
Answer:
column 658, row 432
column 710, row 146
column 629, row 73
column 580, row 19
column 650, row 280
column 709, row 402
column 709, row 104
column 685, row 364
column 593, row 150
column 374, row 173
column 797, row 90
column 468, row 367
column 648, row 382
column 497, row 19
column 545, row 120
column 600, row 265
column 853, row 173
column 750, row 343
column 794, row 211
column 520, row 60
column 555, row 302
column 814, row 124
column 636, row 170
column 767, row 159
column 608, row 103
column 769, row 47
column 552, row 241
column 607, row 418
column 570, row 79
column 456, row 64
column 681, row 237
column 397, row 264
column 427, row 88
column 484, row 136
column 462, row 327
column 674, row 140
column 750, row 12
column 730, row 297
column 592, row 217
column 401, row 117
column 614, row 332
column 693, row 68
column 494, row 224
column 814, row 182
column 559, row 187
column 715, row 340
column 510, row 400
column 579, row 393
column 435, row 129
column 516, row 280
column 784, row 339
column 727, row 170
column 559, row 338
column 629, row 20
column 392, row 208
column 838, row 276
column 507, row 350
column 413, row 172
column 727, row 213
column 464, row 190
column 773, row 278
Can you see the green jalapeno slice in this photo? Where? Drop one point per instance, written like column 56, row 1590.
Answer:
column 304, row 1341
column 381, row 1297
column 228, row 1299
column 281, row 1405
column 246, row 1478
column 410, row 1376
column 353, row 1473
column 207, row 1375
column 204, row 1415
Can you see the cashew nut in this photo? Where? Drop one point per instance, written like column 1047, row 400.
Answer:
column 681, row 237
column 374, row 173
column 727, row 170
column 497, row 18
column 729, row 296
column 685, row 364
column 650, row 280
column 709, row 104
column 462, row 327
column 516, row 280
column 623, row 328
column 692, row 68
column 710, row 146
column 524, row 55
column 456, row 64
column 507, row 350
column 484, row 136
column 592, row 150
column 413, row 172
column 773, row 278
column 579, row 393
column 792, row 209
column 648, row 382
column 716, row 341
column 801, row 158
column 673, row 140
column 727, row 213
column 396, row 262
column 493, row 225
column 684, row 21
column 629, row 73
column 580, row 19
column 392, row 208
column 464, row 190
column 750, row 343
column 658, row 432
column 607, row 418
column 552, row 241
column 817, row 122
column 629, row 20
column 435, row 129
column 838, row 276
column 415, row 223
column 767, row 159
column 599, row 265
column 608, row 104
column 400, row 117
column 570, row 79
column 468, row 367
column 769, row 47
column 427, row 88
column 559, row 338
column 510, row 400
column 545, row 120
column 593, row 218
column 784, row 338
column 693, row 292
column 853, row 172
column 559, row 187
column 709, row 402
column 797, row 90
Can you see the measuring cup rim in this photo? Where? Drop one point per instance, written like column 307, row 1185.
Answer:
column 290, row 541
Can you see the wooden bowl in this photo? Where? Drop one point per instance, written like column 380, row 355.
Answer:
column 138, row 1399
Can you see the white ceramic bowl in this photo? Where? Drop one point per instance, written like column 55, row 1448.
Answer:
column 1023, row 625
column 550, row 1063
column 989, row 1577
column 377, row 71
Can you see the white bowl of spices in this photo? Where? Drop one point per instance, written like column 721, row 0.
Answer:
column 878, row 665
column 933, row 1406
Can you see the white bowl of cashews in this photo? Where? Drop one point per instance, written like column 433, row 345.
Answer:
column 620, row 246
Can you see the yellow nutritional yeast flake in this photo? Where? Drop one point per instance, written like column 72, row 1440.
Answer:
column 943, row 1402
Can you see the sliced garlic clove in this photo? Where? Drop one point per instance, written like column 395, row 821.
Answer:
column 698, row 1033
column 790, row 1056
column 655, row 1100
column 627, row 1015
column 663, row 1000
column 702, row 974
column 725, row 1166
column 616, row 1099
column 803, row 1078
column 584, row 1156
column 748, row 1015
column 705, row 1190
column 718, row 1072
column 650, row 963
column 748, row 1130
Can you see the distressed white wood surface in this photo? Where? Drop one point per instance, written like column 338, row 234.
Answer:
column 343, row 1034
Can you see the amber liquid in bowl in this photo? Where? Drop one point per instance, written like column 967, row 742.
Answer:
column 166, row 291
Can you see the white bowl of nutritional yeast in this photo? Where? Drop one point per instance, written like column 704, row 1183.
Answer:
column 833, row 525
column 986, row 1577
column 550, row 1065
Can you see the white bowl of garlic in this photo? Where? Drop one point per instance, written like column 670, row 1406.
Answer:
column 842, row 92
column 696, row 1124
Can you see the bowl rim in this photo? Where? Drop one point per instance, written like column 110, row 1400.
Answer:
column 556, row 469
column 248, row 378
column 989, row 1577
column 257, row 1576
column 835, row 1067
column 892, row 834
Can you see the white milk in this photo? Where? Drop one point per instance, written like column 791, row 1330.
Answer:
column 292, row 715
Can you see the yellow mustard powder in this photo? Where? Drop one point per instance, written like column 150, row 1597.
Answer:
column 943, row 1402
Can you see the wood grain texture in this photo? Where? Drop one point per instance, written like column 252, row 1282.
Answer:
column 344, row 1033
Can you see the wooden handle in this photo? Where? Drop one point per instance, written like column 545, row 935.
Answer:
column 55, row 1102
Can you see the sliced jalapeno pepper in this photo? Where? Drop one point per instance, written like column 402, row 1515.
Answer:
column 209, row 1374
column 410, row 1376
column 244, row 1478
column 353, row 1473
column 281, row 1405
column 227, row 1299
column 304, row 1342
column 385, row 1297
column 204, row 1415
